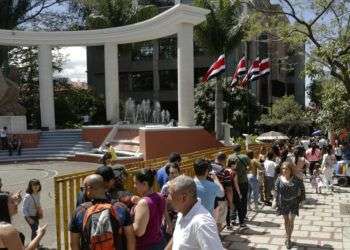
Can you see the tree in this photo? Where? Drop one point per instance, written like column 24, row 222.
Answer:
column 71, row 102
column 14, row 13
column 241, row 108
column 323, row 24
column 286, row 115
column 24, row 71
column 220, row 33
column 333, row 115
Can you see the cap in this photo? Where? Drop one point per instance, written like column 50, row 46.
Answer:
column 106, row 173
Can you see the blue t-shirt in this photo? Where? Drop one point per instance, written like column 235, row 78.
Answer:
column 162, row 177
column 207, row 191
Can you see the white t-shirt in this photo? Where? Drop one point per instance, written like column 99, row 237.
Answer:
column 3, row 133
column 270, row 168
column 196, row 231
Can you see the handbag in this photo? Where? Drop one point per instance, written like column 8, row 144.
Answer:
column 39, row 210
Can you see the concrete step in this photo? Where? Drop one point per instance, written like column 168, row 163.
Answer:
column 60, row 140
column 67, row 144
column 46, row 152
column 53, row 148
column 36, row 158
column 60, row 136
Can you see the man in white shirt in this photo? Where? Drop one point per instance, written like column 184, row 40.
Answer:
column 270, row 171
column 195, row 228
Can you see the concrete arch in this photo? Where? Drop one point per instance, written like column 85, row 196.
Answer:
column 162, row 25
column 179, row 20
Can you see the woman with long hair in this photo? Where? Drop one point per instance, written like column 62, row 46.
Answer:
column 289, row 191
column 149, row 212
column 31, row 209
column 10, row 238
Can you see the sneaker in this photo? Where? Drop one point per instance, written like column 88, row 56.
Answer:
column 242, row 226
column 229, row 228
column 268, row 203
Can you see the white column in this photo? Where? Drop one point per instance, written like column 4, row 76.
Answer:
column 185, row 74
column 47, row 105
column 112, row 82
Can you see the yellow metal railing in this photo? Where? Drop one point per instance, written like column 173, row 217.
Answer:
column 67, row 186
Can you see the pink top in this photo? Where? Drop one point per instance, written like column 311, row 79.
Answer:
column 153, row 234
column 316, row 156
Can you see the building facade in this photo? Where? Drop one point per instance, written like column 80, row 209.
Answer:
column 148, row 70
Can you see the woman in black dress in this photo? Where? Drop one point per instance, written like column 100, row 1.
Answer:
column 289, row 190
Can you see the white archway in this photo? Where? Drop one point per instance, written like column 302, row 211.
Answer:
column 179, row 20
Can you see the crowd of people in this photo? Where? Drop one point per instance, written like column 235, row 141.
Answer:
column 187, row 213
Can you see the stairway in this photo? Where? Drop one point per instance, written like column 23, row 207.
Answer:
column 53, row 145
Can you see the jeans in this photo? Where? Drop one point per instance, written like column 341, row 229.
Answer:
column 253, row 188
column 241, row 204
column 34, row 227
column 270, row 185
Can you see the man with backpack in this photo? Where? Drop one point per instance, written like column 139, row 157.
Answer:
column 100, row 224
column 108, row 176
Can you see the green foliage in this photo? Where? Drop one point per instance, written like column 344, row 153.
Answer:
column 240, row 107
column 71, row 103
column 223, row 29
column 24, row 71
column 334, row 114
column 325, row 30
column 114, row 13
column 285, row 110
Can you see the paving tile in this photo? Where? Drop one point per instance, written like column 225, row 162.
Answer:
column 322, row 223
column 333, row 244
column 318, row 227
column 311, row 228
column 266, row 247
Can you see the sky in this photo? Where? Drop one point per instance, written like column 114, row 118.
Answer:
column 75, row 63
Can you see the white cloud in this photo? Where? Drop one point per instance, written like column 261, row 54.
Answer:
column 75, row 66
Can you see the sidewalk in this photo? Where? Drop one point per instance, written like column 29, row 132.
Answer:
column 324, row 223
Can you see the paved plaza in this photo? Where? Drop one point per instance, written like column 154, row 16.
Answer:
column 15, row 177
column 319, row 226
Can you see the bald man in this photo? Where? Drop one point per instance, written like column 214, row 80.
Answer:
column 94, row 187
column 195, row 227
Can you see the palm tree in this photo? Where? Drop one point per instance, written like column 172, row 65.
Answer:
column 220, row 33
column 114, row 13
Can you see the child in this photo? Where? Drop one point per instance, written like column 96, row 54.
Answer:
column 316, row 180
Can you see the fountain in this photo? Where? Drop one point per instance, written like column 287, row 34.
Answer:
column 144, row 113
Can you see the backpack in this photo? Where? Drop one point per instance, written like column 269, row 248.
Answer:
column 101, row 226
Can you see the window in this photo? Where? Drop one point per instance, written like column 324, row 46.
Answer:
column 278, row 89
column 198, row 50
column 290, row 89
column 142, row 51
column 264, row 91
column 168, row 48
column 168, row 79
column 142, row 81
column 263, row 46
